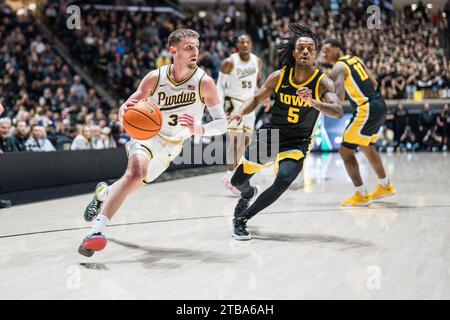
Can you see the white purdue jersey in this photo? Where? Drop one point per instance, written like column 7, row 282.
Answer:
column 242, row 81
column 175, row 99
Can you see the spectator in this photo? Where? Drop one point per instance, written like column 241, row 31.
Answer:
column 92, row 101
column 442, row 122
column 98, row 140
column 6, row 143
column 426, row 120
column 83, row 140
column 38, row 140
column 108, row 138
column 3, row 203
column 401, row 120
column 432, row 140
column 408, row 141
column 386, row 140
column 78, row 88
column 20, row 138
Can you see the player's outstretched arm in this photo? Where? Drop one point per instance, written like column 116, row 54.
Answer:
column 263, row 93
column 214, row 105
column 145, row 89
column 329, row 104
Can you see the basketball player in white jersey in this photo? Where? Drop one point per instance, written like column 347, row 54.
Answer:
column 181, row 91
column 239, row 78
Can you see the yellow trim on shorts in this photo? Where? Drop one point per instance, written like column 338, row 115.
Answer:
column 248, row 129
column 374, row 138
column 252, row 167
column 280, row 80
column 353, row 133
column 292, row 154
column 171, row 141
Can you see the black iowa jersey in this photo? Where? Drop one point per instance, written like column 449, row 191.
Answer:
column 290, row 115
column 358, row 87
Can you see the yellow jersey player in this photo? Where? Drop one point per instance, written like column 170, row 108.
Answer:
column 351, row 77
column 301, row 92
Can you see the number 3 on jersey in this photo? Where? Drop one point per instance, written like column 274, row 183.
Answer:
column 293, row 115
column 173, row 120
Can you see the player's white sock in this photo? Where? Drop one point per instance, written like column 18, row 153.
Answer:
column 99, row 224
column 361, row 189
column 230, row 174
column 384, row 182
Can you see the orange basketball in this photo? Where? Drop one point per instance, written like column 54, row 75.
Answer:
column 143, row 120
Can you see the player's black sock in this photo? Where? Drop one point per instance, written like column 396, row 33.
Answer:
column 241, row 181
column 287, row 172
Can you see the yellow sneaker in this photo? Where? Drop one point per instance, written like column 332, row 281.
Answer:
column 357, row 200
column 381, row 192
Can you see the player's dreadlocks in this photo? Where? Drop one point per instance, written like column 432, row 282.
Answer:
column 288, row 44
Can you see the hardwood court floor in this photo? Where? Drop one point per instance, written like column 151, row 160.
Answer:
column 172, row 240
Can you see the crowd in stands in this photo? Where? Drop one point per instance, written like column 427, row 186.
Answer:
column 409, row 53
column 49, row 107
column 407, row 131
column 121, row 47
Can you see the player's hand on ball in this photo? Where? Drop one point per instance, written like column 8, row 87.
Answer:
column 188, row 121
column 235, row 117
column 305, row 95
column 124, row 107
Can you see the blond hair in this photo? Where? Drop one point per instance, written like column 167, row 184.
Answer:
column 179, row 34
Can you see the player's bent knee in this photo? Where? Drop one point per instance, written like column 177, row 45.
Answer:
column 346, row 153
column 136, row 173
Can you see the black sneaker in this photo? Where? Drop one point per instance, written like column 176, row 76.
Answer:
column 243, row 203
column 240, row 229
column 93, row 208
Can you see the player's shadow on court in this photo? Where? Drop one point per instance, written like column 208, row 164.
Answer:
column 347, row 243
column 153, row 256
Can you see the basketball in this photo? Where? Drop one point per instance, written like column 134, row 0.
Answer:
column 143, row 120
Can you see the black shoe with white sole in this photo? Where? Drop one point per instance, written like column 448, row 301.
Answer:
column 240, row 229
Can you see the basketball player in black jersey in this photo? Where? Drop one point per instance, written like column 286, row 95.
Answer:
column 301, row 92
column 351, row 76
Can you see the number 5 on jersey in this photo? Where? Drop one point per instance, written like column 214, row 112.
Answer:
column 293, row 115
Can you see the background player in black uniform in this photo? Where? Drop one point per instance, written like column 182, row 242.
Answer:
column 301, row 92
column 352, row 77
